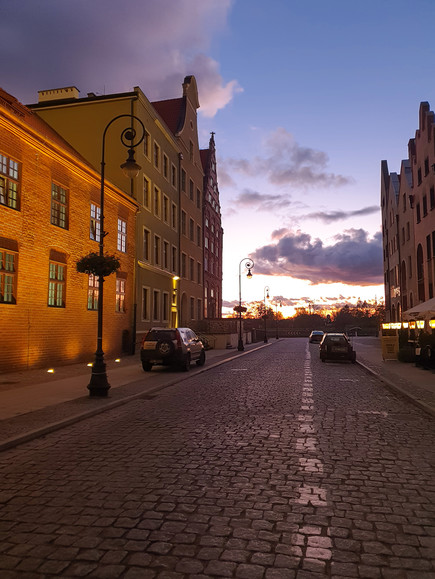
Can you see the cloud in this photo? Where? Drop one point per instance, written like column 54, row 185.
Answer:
column 353, row 259
column 287, row 163
column 332, row 216
column 106, row 46
column 249, row 199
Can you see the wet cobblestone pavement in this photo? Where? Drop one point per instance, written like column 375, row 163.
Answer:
column 270, row 466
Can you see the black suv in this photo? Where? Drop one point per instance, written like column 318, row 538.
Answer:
column 171, row 347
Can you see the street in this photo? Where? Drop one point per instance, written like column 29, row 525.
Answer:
column 274, row 465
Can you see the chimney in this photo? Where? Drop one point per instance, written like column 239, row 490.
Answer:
column 58, row 94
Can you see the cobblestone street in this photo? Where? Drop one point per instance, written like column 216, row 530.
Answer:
column 272, row 466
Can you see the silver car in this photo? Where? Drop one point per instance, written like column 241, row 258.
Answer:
column 171, row 347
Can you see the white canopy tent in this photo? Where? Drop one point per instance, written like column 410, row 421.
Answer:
column 423, row 311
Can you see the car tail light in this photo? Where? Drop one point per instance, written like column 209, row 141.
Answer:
column 178, row 337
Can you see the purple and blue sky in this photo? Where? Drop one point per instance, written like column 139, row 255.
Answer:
column 305, row 98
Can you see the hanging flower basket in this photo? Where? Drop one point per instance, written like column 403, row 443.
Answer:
column 98, row 265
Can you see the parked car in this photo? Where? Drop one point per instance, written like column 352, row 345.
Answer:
column 336, row 347
column 316, row 336
column 171, row 347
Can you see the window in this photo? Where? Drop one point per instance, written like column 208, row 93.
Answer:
column 156, row 305
column 424, row 205
column 165, row 166
column 146, row 244
column 432, row 198
column 408, row 231
column 183, row 264
column 191, row 189
column 59, row 207
column 199, row 309
column 198, row 272
column 198, row 199
column 157, row 202
column 192, row 308
column 120, row 295
column 9, row 183
column 426, row 166
column 191, row 230
column 191, row 269
column 183, row 180
column 174, row 216
column 174, row 176
column 165, row 209
column 165, row 307
column 93, row 286
column 145, row 303
column 418, row 213
column 166, row 255
column 156, row 156
column 122, row 235
column 419, row 176
column 157, row 250
column 183, row 222
column 146, row 144
column 198, row 235
column 174, row 260
column 56, row 285
column 94, row 230
column 8, row 268
column 146, row 193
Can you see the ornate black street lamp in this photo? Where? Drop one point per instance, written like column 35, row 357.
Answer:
column 249, row 264
column 266, row 296
column 99, row 384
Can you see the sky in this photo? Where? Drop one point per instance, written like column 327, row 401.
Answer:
column 305, row 99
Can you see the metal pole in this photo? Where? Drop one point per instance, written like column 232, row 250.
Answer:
column 240, row 346
column 266, row 293
column 99, row 384
column 248, row 265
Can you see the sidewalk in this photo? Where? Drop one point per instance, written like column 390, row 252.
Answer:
column 412, row 382
column 33, row 403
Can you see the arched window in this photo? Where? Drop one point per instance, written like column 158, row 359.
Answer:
column 420, row 273
column 403, row 287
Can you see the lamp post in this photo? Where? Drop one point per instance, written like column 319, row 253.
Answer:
column 276, row 318
column 249, row 264
column 99, row 384
column 266, row 295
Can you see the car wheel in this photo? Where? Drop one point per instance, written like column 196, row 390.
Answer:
column 186, row 363
column 147, row 366
column 201, row 360
column 165, row 348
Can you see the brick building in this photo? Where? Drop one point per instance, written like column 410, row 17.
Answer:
column 408, row 222
column 49, row 218
column 169, row 190
column 213, row 235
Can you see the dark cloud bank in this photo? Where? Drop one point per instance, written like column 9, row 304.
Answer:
column 353, row 259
